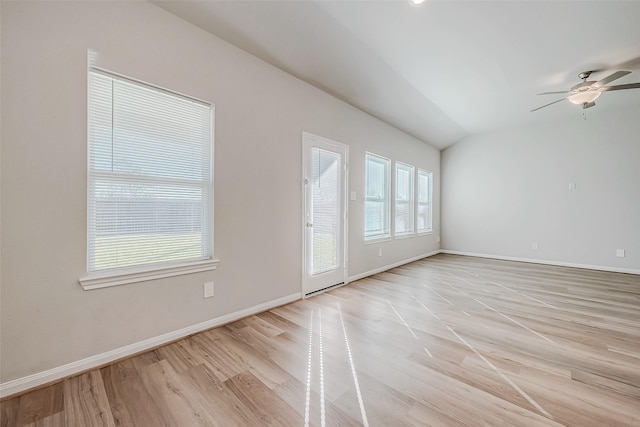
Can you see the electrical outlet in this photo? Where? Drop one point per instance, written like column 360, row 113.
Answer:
column 379, row 251
column 534, row 246
column 620, row 253
column 438, row 239
column 208, row 289
column 572, row 186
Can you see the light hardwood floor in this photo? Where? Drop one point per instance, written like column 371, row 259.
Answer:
column 445, row 341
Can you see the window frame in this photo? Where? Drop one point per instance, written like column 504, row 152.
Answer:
column 410, row 202
column 428, row 203
column 101, row 278
column 385, row 233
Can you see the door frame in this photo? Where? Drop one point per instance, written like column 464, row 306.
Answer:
column 308, row 138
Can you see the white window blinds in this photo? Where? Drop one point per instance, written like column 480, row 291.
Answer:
column 150, row 189
column 404, row 199
column 377, row 196
column 326, row 209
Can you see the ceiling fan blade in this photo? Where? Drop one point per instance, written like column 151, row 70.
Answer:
column 612, row 77
column 554, row 93
column 551, row 103
column 620, row 87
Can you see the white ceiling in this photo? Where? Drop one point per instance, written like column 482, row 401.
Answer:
column 442, row 70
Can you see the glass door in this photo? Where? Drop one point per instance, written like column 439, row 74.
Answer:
column 324, row 178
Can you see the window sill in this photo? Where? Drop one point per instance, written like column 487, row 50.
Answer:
column 405, row 235
column 124, row 277
column 372, row 241
column 425, row 232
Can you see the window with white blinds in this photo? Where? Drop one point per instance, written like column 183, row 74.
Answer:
column 150, row 178
column 424, row 219
column 404, row 199
column 377, row 197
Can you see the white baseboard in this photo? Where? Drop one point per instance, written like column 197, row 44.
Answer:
column 546, row 262
column 389, row 267
column 50, row 375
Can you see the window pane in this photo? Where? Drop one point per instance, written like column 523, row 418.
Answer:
column 424, row 201
column 377, row 196
column 376, row 180
column 403, row 184
column 423, row 187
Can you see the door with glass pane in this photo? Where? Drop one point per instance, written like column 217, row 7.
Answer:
column 324, row 191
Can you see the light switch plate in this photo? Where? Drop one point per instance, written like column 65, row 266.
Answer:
column 353, row 195
column 620, row 253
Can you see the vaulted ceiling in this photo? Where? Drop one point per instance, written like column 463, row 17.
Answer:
column 442, row 70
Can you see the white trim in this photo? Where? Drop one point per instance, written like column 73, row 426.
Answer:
column 50, row 375
column 107, row 279
column 544, row 261
column 390, row 266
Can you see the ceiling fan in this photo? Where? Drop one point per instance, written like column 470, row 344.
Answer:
column 585, row 93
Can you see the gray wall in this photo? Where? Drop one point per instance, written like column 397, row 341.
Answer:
column 504, row 191
column 47, row 319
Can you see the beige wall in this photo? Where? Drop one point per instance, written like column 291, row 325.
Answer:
column 506, row 190
column 47, row 319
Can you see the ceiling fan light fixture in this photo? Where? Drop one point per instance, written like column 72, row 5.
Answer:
column 585, row 97
column 586, row 92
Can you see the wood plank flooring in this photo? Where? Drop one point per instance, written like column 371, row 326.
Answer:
column 445, row 341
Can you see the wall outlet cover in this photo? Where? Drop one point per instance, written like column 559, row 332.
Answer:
column 620, row 253
column 208, row 289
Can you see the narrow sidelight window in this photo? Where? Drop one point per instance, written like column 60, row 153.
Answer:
column 425, row 186
column 404, row 199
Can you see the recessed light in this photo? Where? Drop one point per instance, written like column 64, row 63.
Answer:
column 416, row 2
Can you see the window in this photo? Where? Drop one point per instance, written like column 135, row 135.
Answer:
column 376, row 197
column 404, row 199
column 424, row 200
column 150, row 178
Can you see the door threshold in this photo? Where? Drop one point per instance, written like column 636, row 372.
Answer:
column 328, row 288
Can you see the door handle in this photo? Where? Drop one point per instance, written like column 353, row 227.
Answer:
column 309, row 225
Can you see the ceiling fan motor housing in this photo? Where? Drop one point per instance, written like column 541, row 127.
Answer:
column 585, row 75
